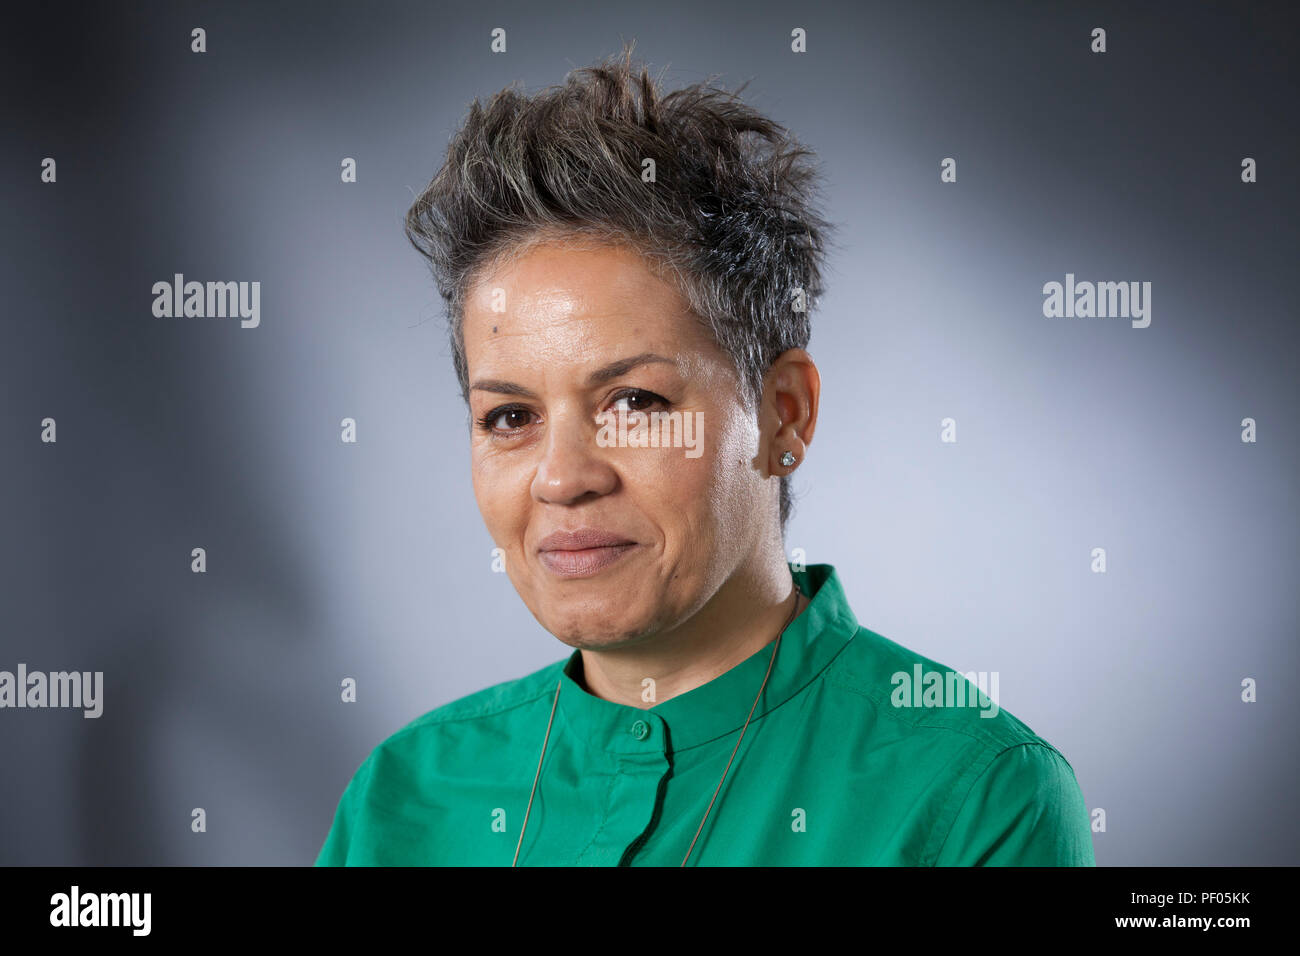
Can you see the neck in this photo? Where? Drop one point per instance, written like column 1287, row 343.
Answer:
column 746, row 614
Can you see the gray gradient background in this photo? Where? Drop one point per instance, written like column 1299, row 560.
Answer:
column 327, row 560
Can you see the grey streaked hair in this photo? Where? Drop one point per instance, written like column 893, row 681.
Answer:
column 729, row 219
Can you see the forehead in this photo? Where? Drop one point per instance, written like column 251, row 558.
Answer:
column 572, row 303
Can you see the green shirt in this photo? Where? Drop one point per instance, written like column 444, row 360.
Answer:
column 832, row 770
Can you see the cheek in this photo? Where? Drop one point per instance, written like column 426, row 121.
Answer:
column 700, row 492
column 734, row 446
column 498, row 493
column 735, row 483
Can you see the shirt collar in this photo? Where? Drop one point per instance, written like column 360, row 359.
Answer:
column 721, row 706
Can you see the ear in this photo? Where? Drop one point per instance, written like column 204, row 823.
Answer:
column 788, row 416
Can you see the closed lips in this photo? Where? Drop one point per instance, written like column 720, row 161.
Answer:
column 582, row 540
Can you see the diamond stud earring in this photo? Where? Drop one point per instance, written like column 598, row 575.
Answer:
column 787, row 459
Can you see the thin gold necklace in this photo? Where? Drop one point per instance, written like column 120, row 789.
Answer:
column 700, row 829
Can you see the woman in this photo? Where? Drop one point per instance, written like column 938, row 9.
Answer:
column 628, row 276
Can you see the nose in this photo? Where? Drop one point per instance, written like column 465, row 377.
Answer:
column 572, row 465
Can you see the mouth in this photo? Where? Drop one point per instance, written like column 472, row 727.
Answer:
column 583, row 562
column 581, row 553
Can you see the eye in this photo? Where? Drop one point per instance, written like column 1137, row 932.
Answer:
column 505, row 421
column 515, row 416
column 638, row 396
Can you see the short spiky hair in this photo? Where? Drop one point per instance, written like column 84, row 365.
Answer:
column 729, row 216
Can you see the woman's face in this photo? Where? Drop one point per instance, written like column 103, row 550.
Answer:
column 554, row 339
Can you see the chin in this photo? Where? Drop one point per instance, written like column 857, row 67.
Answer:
column 595, row 631
column 584, row 642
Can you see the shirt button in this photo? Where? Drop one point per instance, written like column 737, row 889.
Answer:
column 640, row 730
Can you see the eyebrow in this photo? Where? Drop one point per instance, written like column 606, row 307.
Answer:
column 601, row 375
